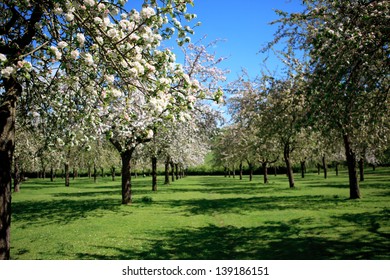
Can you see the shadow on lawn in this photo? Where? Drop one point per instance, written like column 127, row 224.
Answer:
column 280, row 241
column 61, row 211
column 240, row 205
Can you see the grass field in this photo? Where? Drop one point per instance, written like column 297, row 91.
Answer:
column 203, row 218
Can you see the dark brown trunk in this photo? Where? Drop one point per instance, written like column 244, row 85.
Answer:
column 177, row 171
column 126, row 176
column 250, row 172
column 337, row 169
column 67, row 174
column 154, row 173
column 89, row 172
column 94, row 173
column 173, row 172
column 324, row 166
column 275, row 171
column 166, row 182
column 74, row 173
column 318, row 169
column 17, row 178
column 234, row 172
column 51, row 174
column 303, row 164
column 265, row 172
column 7, row 146
column 361, row 169
column 287, row 160
column 113, row 173
column 354, row 191
column 102, row 172
column 241, row 170
column 225, row 171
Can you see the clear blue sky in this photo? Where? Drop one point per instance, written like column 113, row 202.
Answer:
column 244, row 25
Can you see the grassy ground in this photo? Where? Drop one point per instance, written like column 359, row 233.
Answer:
column 204, row 218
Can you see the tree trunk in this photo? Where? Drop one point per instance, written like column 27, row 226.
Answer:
column 337, row 169
column 94, row 173
column 303, row 166
column 102, row 171
column 113, row 173
column 275, row 171
column 318, row 169
column 287, row 160
column 250, row 172
column 51, row 174
column 154, row 173
column 361, row 169
column 241, row 170
column 126, row 176
column 67, row 174
column 177, row 171
column 225, row 171
column 16, row 175
column 354, row 191
column 166, row 182
column 74, row 173
column 173, row 172
column 7, row 146
column 324, row 166
column 234, row 172
column 89, row 172
column 265, row 171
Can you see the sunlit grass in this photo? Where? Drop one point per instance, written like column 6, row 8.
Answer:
column 209, row 217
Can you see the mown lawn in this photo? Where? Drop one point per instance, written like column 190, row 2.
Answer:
column 203, row 218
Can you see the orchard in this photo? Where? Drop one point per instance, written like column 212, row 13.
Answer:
column 95, row 87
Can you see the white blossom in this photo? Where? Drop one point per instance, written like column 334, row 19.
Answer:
column 69, row 16
column 80, row 38
column 74, row 54
column 147, row 12
column 8, row 71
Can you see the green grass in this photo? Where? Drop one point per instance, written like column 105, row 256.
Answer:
column 203, row 218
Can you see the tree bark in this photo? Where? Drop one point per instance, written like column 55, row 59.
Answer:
column 354, row 191
column 126, row 176
column 250, row 171
column 361, row 169
column 241, row 170
column 265, row 171
column 177, row 171
column 324, row 166
column 154, row 173
column 17, row 178
column 51, row 174
column 337, row 169
column 66, row 174
column 94, row 173
column 113, row 173
column 287, row 160
column 166, row 182
column 303, row 164
column 7, row 146
column 173, row 171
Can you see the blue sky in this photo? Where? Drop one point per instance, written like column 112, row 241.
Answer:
column 244, row 25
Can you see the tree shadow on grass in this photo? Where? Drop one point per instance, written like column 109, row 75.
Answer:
column 275, row 241
column 61, row 211
column 241, row 205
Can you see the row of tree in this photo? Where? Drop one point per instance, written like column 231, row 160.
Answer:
column 79, row 73
column 333, row 100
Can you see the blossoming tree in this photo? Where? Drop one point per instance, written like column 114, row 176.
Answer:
column 92, row 49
